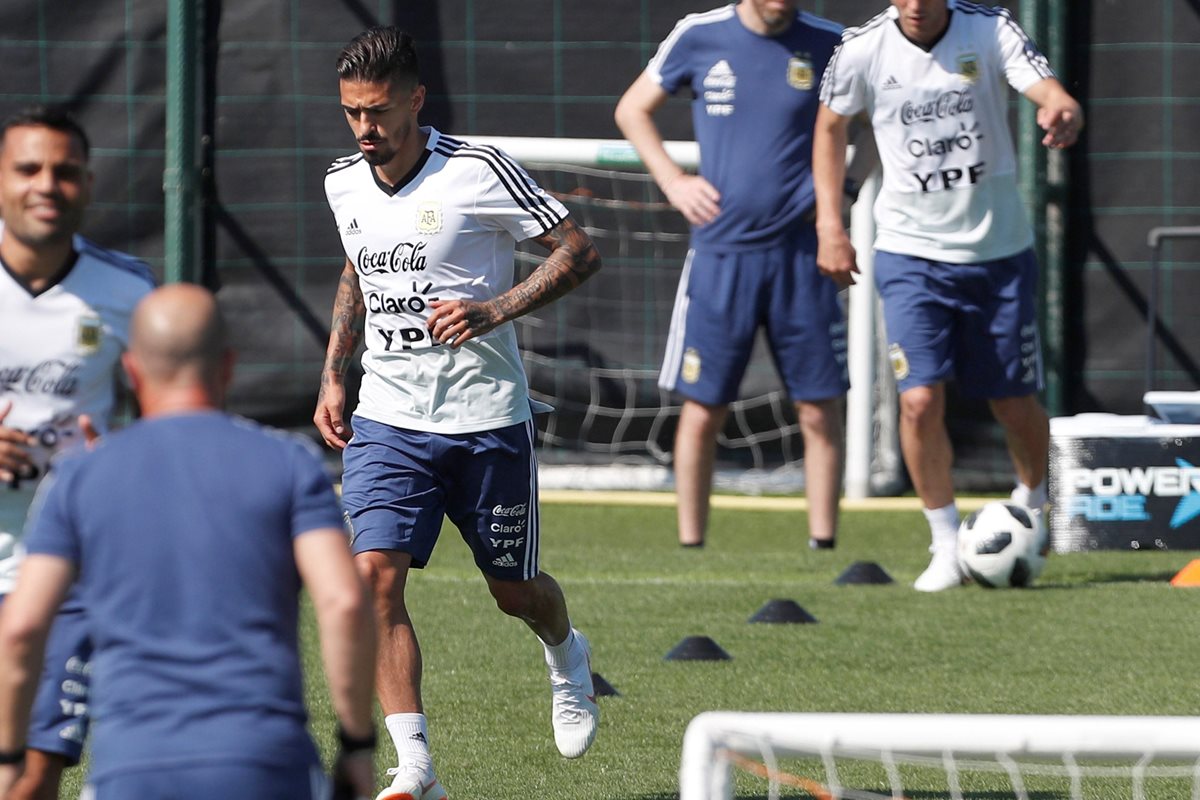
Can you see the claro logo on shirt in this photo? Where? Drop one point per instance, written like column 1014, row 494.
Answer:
column 720, row 84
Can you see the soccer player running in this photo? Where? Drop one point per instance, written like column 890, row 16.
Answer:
column 444, row 424
column 191, row 533
column 65, row 305
column 954, row 262
column 754, row 69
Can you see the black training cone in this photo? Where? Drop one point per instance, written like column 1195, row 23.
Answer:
column 782, row 611
column 697, row 648
column 863, row 572
column 603, row 688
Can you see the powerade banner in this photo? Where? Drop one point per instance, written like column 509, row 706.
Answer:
column 1124, row 492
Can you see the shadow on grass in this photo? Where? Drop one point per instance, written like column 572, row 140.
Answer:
column 1097, row 579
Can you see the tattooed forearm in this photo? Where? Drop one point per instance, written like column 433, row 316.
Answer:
column 573, row 259
column 346, row 331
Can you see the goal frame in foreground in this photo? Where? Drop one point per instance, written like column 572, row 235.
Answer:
column 706, row 771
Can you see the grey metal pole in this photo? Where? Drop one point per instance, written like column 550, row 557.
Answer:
column 180, row 177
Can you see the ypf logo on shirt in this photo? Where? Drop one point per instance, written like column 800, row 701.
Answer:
column 800, row 72
column 429, row 217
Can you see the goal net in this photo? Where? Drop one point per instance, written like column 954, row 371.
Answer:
column 828, row 756
column 595, row 354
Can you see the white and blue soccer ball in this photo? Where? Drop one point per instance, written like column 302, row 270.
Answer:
column 1002, row 545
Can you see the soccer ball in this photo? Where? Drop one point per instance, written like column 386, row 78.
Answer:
column 1002, row 545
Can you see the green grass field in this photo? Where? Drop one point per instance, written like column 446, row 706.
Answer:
column 1101, row 633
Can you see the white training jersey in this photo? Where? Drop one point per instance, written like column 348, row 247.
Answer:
column 941, row 125
column 447, row 231
column 60, row 355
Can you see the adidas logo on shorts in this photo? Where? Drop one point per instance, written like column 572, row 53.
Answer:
column 505, row 560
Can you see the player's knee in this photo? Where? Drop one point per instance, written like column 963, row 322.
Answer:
column 921, row 407
column 821, row 420
column 383, row 576
column 700, row 420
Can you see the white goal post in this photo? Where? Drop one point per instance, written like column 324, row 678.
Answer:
column 1070, row 749
column 872, row 450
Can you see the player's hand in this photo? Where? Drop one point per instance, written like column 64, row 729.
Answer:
column 1062, row 125
column 836, row 258
column 14, row 449
column 694, row 197
column 454, row 322
column 354, row 776
column 88, row 429
column 9, row 775
column 329, row 416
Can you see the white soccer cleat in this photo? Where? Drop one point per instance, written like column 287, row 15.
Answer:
column 411, row 781
column 942, row 573
column 574, row 714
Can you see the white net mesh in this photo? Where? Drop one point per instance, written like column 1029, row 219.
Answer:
column 595, row 354
column 960, row 757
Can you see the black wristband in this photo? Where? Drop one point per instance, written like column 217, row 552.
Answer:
column 12, row 756
column 351, row 744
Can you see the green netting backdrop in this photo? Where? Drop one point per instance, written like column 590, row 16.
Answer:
column 270, row 124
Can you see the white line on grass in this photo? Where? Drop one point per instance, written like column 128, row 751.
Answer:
column 610, row 498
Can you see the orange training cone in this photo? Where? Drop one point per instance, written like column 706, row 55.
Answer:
column 1188, row 576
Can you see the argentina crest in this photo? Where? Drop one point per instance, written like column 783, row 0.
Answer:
column 968, row 67
column 88, row 333
column 429, row 217
column 800, row 72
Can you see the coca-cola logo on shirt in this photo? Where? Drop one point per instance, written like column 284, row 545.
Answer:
column 53, row 376
column 947, row 104
column 404, row 257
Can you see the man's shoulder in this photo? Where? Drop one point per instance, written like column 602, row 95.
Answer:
column 819, row 26
column 341, row 175
column 109, row 278
column 121, row 265
column 867, row 35
column 703, row 25
column 979, row 13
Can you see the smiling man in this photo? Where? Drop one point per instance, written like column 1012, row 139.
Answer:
column 444, row 423
column 65, row 305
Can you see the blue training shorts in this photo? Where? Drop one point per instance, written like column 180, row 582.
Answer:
column 722, row 301
column 228, row 781
column 58, row 721
column 976, row 323
column 398, row 484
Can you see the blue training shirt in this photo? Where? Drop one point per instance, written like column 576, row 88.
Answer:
column 182, row 529
column 753, row 113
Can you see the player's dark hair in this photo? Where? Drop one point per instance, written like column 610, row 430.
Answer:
column 54, row 117
column 380, row 54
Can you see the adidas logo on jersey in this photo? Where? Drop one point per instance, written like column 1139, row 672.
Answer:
column 505, row 560
column 720, row 76
column 352, row 229
column 891, row 83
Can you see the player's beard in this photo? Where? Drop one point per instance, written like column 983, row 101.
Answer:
column 384, row 153
column 379, row 156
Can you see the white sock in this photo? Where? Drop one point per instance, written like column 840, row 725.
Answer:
column 943, row 527
column 1035, row 498
column 410, row 734
column 558, row 655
